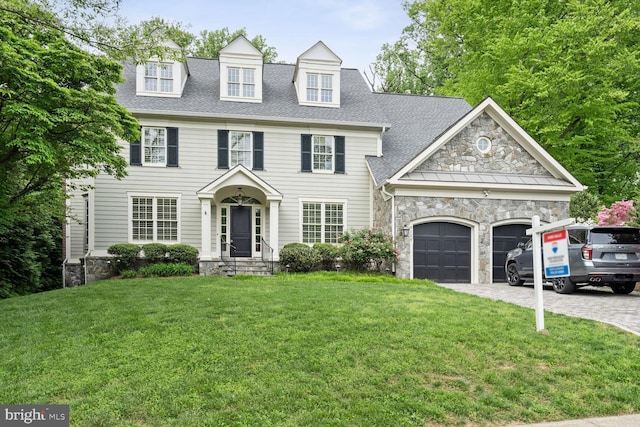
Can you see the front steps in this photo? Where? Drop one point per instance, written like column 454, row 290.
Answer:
column 246, row 266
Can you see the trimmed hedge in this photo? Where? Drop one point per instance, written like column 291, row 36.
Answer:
column 155, row 252
column 299, row 257
column 328, row 255
column 125, row 255
column 181, row 253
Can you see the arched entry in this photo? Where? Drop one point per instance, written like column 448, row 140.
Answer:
column 505, row 238
column 442, row 252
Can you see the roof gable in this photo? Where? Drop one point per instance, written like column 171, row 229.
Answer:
column 535, row 162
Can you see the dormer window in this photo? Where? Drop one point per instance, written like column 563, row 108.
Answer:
column 319, row 87
column 241, row 72
column 317, row 77
column 241, row 82
column 158, row 77
column 164, row 79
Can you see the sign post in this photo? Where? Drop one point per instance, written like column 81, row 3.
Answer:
column 534, row 232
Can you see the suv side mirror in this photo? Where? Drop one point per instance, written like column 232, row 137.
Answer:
column 522, row 245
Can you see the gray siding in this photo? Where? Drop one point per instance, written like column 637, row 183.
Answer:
column 198, row 167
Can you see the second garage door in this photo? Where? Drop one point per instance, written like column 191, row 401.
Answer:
column 442, row 252
column 505, row 238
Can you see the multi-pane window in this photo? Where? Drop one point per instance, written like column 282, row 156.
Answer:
column 319, row 87
column 241, row 82
column 258, row 228
column 240, row 151
column 333, row 222
column 322, row 222
column 158, row 77
column 155, row 146
column 323, row 153
column 154, row 219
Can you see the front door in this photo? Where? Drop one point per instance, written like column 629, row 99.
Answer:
column 240, row 231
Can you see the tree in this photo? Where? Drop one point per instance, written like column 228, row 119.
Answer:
column 59, row 120
column 565, row 71
column 209, row 43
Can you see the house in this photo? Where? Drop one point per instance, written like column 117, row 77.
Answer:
column 238, row 158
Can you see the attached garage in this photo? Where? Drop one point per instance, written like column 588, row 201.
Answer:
column 442, row 252
column 505, row 238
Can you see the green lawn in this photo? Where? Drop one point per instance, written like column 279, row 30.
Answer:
column 315, row 350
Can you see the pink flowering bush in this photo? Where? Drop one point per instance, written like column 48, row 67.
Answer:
column 620, row 213
column 367, row 249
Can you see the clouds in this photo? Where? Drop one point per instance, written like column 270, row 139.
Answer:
column 363, row 15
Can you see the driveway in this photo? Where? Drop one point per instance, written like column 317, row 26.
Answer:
column 592, row 303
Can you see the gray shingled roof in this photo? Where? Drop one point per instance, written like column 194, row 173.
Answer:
column 417, row 121
column 279, row 101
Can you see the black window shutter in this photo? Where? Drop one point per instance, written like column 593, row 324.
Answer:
column 135, row 152
column 258, row 151
column 172, row 147
column 223, row 149
column 339, row 140
column 306, row 153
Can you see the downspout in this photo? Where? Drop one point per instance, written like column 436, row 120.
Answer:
column 393, row 217
column 86, row 275
column 64, row 273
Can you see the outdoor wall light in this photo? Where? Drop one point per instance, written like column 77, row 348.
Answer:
column 240, row 196
column 405, row 230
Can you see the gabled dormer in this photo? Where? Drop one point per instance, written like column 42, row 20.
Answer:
column 240, row 72
column 317, row 77
column 164, row 78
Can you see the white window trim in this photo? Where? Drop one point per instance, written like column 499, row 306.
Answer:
column 142, row 147
column 250, row 165
column 178, row 77
column 155, row 196
column 254, row 252
column 302, row 86
column 257, row 85
column 333, row 155
column 324, row 202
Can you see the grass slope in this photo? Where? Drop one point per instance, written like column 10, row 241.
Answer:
column 317, row 350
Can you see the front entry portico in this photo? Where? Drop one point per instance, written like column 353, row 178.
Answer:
column 240, row 202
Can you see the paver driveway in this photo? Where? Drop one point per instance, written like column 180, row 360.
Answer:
column 592, row 303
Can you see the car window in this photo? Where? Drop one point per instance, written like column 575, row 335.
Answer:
column 611, row 236
column 578, row 236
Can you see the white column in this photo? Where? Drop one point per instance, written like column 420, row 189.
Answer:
column 274, row 230
column 205, row 218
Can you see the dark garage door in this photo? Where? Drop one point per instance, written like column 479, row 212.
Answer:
column 505, row 238
column 442, row 252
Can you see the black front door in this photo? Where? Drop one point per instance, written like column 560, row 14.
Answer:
column 241, row 231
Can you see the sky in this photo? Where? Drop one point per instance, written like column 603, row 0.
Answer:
column 355, row 30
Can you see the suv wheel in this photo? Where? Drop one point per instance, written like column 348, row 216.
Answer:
column 513, row 277
column 563, row 285
column 623, row 288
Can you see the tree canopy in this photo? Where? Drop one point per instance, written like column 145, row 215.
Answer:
column 59, row 119
column 566, row 71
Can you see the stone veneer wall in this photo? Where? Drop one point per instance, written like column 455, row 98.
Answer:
column 461, row 155
column 484, row 213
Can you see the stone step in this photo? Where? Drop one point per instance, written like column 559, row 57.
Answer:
column 251, row 267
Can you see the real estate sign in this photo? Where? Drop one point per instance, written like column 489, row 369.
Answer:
column 555, row 253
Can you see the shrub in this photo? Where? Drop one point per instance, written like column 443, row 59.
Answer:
column 368, row 249
column 125, row 255
column 166, row 270
column 299, row 257
column 128, row 274
column 155, row 252
column 181, row 253
column 328, row 254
